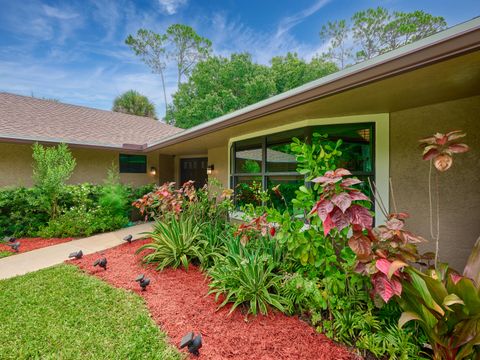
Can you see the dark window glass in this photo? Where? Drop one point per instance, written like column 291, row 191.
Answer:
column 133, row 163
column 248, row 156
column 247, row 189
column 285, row 187
column 279, row 156
column 357, row 148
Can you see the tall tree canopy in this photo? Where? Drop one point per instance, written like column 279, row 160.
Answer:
column 373, row 32
column 151, row 48
column 221, row 85
column 186, row 48
column 133, row 103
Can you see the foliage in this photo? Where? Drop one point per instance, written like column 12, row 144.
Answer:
column 220, row 85
column 376, row 31
column 80, row 221
column 440, row 148
column 133, row 103
column 290, row 71
column 151, row 48
column 22, row 213
column 244, row 276
column 113, row 195
column 187, row 48
column 52, row 167
column 176, row 242
column 54, row 313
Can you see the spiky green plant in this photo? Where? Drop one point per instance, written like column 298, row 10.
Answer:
column 246, row 277
column 176, row 242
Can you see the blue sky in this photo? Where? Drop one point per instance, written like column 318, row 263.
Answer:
column 74, row 50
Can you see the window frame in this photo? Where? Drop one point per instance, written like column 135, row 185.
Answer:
column 380, row 151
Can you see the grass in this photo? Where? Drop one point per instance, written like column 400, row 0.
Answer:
column 61, row 313
column 5, row 254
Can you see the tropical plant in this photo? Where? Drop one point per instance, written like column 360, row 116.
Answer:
column 176, row 242
column 113, row 195
column 438, row 150
column 244, row 276
column 133, row 103
column 52, row 167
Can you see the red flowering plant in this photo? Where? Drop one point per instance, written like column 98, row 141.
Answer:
column 338, row 206
column 258, row 226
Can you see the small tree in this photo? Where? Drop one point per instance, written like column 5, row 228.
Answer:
column 134, row 103
column 52, row 167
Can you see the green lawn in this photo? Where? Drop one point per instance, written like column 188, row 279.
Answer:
column 61, row 313
column 5, row 254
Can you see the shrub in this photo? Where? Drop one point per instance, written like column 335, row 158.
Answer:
column 113, row 195
column 52, row 167
column 80, row 221
column 176, row 242
column 246, row 277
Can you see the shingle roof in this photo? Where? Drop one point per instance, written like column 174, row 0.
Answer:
column 28, row 118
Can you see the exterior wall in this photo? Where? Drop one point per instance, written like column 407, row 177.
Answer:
column 459, row 191
column 218, row 157
column 165, row 169
column 92, row 166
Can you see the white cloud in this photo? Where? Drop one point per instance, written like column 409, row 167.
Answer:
column 290, row 21
column 58, row 13
column 171, row 6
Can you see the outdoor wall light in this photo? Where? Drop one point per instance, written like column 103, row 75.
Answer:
column 210, row 169
column 153, row 171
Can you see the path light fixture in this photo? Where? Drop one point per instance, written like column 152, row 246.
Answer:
column 143, row 281
column 101, row 262
column 153, row 171
column 192, row 342
column 76, row 255
column 128, row 238
column 210, row 169
column 15, row 246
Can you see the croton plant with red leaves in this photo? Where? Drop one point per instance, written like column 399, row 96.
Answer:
column 337, row 206
column 381, row 252
column 441, row 147
column 258, row 226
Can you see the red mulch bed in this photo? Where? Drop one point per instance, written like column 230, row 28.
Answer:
column 178, row 303
column 29, row 244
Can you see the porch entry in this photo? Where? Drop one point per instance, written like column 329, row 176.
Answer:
column 194, row 169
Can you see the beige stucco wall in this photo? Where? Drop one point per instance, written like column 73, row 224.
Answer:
column 459, row 189
column 218, row 157
column 92, row 166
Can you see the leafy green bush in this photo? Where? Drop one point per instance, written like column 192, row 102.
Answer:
column 176, row 242
column 246, row 277
column 79, row 221
column 52, row 167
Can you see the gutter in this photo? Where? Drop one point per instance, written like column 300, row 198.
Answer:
column 455, row 41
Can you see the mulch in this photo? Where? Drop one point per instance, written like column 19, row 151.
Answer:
column 179, row 303
column 29, row 244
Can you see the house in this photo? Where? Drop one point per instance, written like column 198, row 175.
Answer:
column 380, row 108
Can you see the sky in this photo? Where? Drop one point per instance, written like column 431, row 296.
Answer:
column 74, row 51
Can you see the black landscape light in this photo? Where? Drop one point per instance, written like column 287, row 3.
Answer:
column 143, row 281
column 192, row 342
column 76, row 255
column 101, row 262
column 9, row 239
column 15, row 246
column 128, row 238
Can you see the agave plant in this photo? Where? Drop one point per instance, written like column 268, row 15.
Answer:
column 246, row 277
column 176, row 242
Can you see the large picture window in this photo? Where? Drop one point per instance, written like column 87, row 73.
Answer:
column 264, row 162
column 133, row 164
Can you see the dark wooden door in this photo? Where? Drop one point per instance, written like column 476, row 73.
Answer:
column 194, row 169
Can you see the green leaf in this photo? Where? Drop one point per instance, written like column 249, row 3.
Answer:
column 406, row 317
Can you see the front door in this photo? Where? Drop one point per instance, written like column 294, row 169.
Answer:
column 194, row 169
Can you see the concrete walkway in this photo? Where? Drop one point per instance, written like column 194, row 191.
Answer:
column 52, row 255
